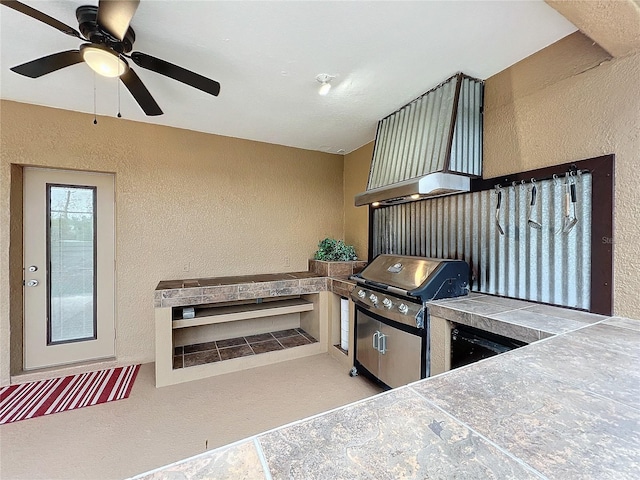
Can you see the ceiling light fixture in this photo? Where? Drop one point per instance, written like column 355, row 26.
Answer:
column 103, row 61
column 325, row 80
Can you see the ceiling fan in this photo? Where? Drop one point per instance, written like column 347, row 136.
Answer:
column 110, row 39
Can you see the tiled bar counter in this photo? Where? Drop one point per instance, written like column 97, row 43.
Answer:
column 265, row 309
column 563, row 407
column 288, row 304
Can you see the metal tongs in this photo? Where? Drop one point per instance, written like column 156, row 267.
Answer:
column 530, row 221
column 570, row 199
column 499, row 192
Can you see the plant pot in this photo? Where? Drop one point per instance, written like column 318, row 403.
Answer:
column 336, row 269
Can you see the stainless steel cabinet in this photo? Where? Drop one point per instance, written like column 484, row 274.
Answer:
column 392, row 355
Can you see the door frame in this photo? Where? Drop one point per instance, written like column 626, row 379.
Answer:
column 111, row 303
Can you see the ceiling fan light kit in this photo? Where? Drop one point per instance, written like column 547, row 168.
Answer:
column 103, row 61
column 106, row 28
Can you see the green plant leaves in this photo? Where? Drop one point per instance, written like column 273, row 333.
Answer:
column 332, row 250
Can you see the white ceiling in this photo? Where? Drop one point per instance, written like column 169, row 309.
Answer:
column 267, row 54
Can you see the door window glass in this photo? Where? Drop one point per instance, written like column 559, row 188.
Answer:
column 71, row 258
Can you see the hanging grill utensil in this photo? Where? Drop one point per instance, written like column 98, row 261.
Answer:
column 498, row 211
column 566, row 217
column 531, row 222
column 570, row 208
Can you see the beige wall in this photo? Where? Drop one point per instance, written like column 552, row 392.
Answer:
column 356, row 219
column 224, row 206
column 570, row 102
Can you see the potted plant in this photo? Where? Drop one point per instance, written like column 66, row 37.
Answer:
column 335, row 258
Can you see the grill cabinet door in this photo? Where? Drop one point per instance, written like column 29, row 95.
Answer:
column 366, row 353
column 402, row 358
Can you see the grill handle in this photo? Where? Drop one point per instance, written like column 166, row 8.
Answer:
column 376, row 338
column 381, row 286
column 383, row 344
column 399, row 291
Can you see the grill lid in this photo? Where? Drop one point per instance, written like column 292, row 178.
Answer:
column 407, row 273
column 426, row 278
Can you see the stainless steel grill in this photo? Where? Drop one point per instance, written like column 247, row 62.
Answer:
column 391, row 322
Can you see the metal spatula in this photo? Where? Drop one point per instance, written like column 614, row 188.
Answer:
column 570, row 218
column 531, row 222
column 498, row 213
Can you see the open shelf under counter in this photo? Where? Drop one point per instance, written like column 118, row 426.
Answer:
column 212, row 314
column 226, row 320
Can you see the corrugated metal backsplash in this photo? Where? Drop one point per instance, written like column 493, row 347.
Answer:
column 544, row 265
column 415, row 140
column 466, row 147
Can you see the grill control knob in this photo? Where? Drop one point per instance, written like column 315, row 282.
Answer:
column 387, row 303
column 403, row 308
column 373, row 298
column 361, row 293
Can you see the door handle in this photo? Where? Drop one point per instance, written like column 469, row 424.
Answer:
column 32, row 283
column 375, row 340
column 383, row 344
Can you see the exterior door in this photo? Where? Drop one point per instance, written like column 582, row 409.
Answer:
column 69, row 261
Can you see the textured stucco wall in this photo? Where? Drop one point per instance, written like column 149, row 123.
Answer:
column 570, row 102
column 356, row 219
column 614, row 25
column 224, row 206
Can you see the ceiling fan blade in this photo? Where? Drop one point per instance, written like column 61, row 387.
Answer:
column 140, row 93
column 48, row 64
column 44, row 18
column 115, row 15
column 177, row 73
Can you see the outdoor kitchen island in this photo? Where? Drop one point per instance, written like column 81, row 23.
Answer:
column 563, row 407
column 197, row 315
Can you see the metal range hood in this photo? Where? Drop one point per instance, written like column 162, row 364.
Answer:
column 430, row 147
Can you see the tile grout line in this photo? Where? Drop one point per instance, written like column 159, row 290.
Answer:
column 263, row 460
column 585, row 389
column 581, row 387
column 512, row 310
column 491, row 442
column 250, row 347
column 247, row 343
column 300, row 421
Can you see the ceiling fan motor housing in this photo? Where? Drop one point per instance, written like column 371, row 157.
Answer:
column 87, row 16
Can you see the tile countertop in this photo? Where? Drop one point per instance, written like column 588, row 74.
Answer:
column 321, row 276
column 564, row 407
column 519, row 319
column 175, row 293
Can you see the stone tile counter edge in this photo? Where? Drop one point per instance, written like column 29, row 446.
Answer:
column 176, row 293
column 518, row 319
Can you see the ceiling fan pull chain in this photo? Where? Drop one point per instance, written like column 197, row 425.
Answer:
column 118, row 82
column 95, row 118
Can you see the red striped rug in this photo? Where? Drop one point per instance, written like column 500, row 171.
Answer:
column 44, row 397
